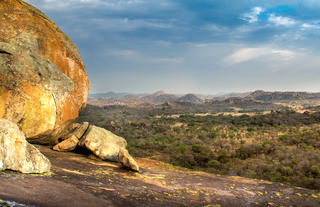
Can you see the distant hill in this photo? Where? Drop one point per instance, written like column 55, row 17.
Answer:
column 159, row 97
column 108, row 95
column 189, row 98
column 282, row 96
column 236, row 99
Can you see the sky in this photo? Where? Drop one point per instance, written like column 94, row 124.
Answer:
column 193, row 46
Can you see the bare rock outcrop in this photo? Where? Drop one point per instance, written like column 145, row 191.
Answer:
column 101, row 142
column 43, row 87
column 17, row 154
column 43, row 82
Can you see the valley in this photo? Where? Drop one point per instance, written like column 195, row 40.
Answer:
column 272, row 136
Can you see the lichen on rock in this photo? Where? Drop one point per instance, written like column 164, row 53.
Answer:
column 43, row 82
column 43, row 87
column 108, row 146
column 17, row 154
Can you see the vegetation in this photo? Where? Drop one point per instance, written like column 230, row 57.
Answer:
column 279, row 146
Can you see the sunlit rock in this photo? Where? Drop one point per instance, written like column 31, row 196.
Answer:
column 107, row 146
column 43, row 83
column 17, row 154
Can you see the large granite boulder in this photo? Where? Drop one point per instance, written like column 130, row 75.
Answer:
column 17, row 154
column 43, row 83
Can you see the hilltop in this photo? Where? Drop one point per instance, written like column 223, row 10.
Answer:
column 162, row 97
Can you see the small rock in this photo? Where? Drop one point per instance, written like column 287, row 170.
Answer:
column 79, row 132
column 17, row 154
column 107, row 146
column 67, row 145
column 103, row 143
column 126, row 160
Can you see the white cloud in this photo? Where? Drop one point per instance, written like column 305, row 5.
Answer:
column 252, row 16
column 285, row 54
column 310, row 26
column 281, row 21
column 122, row 52
column 138, row 56
column 248, row 54
column 125, row 24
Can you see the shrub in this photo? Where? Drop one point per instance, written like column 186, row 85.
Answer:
column 197, row 148
column 182, row 148
column 286, row 171
column 214, row 164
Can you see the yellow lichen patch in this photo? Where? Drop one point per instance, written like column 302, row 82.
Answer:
column 243, row 180
column 259, row 193
column 4, row 97
column 40, row 111
column 47, row 174
column 101, row 171
column 192, row 192
column 212, row 205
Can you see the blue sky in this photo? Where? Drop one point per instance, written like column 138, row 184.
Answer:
column 198, row 46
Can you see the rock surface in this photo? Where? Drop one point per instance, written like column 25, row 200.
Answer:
column 67, row 145
column 107, row 146
column 77, row 181
column 126, row 160
column 43, row 83
column 17, row 154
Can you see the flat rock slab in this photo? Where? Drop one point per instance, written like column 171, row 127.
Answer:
column 79, row 181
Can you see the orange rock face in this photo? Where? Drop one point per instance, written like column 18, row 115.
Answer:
column 43, row 82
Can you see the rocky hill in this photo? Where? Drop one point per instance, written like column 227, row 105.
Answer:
column 282, row 96
column 108, row 95
column 159, row 97
column 189, row 98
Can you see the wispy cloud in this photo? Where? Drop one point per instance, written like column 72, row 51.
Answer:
column 126, row 24
column 252, row 16
column 311, row 25
column 248, row 54
column 141, row 57
column 281, row 21
column 122, row 52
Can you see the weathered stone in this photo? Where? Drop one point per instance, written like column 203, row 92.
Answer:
column 43, row 83
column 76, row 129
column 79, row 132
column 67, row 145
column 107, row 146
column 17, row 154
column 103, row 143
column 126, row 160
